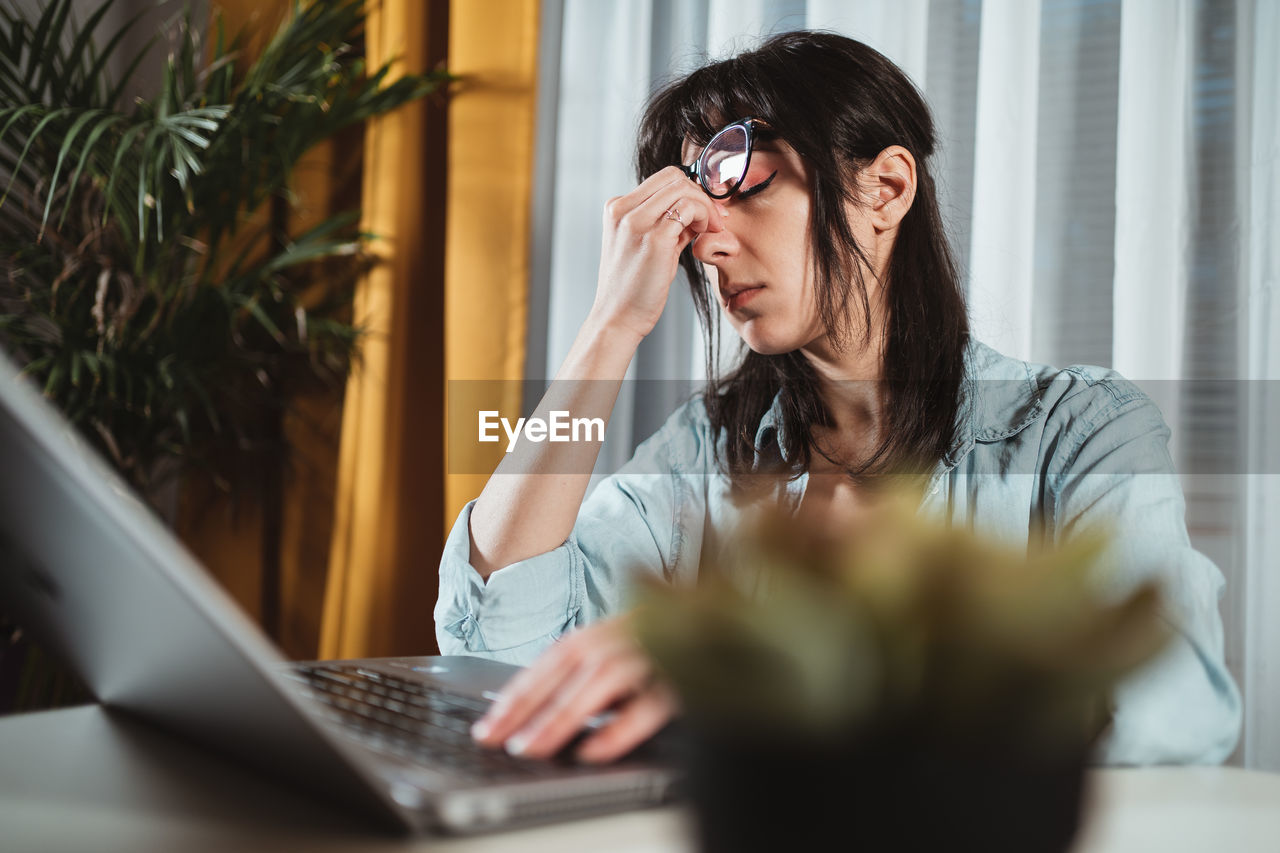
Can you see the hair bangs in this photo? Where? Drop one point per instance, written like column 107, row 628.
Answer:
column 697, row 107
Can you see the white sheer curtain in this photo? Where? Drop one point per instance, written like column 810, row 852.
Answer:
column 1109, row 173
column 1257, row 174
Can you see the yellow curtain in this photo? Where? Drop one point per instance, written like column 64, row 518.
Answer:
column 494, row 43
column 433, row 308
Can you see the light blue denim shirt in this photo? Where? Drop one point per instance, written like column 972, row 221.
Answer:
column 1037, row 452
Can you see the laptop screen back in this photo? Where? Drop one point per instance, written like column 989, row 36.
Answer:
column 91, row 573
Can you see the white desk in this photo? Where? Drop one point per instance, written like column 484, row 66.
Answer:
column 82, row 779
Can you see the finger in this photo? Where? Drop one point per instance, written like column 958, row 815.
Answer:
column 620, row 206
column 697, row 212
column 526, row 692
column 592, row 690
column 636, row 721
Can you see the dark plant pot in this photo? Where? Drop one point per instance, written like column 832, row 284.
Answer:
column 892, row 793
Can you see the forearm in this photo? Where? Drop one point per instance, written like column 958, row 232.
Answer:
column 531, row 502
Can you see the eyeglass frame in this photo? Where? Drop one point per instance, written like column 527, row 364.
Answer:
column 695, row 171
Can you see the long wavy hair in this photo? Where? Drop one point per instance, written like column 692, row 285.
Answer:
column 838, row 103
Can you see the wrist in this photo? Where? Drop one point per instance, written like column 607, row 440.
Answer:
column 611, row 330
column 602, row 350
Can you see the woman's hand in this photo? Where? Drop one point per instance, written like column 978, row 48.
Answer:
column 642, row 246
column 597, row 669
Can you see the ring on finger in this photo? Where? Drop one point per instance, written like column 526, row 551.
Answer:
column 673, row 212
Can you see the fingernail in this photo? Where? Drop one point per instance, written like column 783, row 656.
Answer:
column 517, row 743
column 481, row 729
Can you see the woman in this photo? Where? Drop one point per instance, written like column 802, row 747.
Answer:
column 813, row 219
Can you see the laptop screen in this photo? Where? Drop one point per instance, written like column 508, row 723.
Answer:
column 94, row 576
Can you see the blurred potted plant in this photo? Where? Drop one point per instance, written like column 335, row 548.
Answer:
column 149, row 279
column 908, row 687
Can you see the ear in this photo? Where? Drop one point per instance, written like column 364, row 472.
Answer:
column 891, row 184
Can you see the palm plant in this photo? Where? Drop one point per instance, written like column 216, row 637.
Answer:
column 148, row 279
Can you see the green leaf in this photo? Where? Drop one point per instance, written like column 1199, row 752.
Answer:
column 44, row 122
column 99, row 129
column 122, row 147
column 11, row 74
column 255, row 309
column 176, row 129
column 204, row 118
column 93, row 364
column 68, row 143
column 38, row 49
column 15, row 115
column 54, row 383
column 81, row 42
column 167, row 93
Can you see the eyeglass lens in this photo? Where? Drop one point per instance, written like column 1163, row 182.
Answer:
column 724, row 162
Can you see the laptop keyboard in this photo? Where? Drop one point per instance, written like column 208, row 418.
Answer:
column 417, row 721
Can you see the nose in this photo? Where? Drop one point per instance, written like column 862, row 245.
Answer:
column 711, row 247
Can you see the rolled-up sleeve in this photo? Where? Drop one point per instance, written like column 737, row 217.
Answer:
column 1117, row 475
column 522, row 608
column 635, row 522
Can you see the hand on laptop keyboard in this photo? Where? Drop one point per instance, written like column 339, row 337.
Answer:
column 595, row 678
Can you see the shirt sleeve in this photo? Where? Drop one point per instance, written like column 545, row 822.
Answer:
column 1115, row 474
column 644, row 520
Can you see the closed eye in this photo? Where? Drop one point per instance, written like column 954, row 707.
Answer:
column 750, row 191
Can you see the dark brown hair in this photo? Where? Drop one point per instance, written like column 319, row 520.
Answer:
column 838, row 103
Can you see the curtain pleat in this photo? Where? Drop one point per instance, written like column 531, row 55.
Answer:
column 897, row 28
column 446, row 307
column 492, row 120
column 382, row 580
column 1259, row 198
column 1151, row 246
column 1002, row 247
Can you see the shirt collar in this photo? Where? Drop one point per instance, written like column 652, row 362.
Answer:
column 1000, row 398
column 771, row 437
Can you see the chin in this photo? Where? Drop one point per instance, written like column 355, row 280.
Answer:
column 766, row 334
column 761, row 342
column 769, row 348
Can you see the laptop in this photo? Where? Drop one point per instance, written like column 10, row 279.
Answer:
column 90, row 572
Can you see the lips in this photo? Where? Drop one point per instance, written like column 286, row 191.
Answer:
column 736, row 296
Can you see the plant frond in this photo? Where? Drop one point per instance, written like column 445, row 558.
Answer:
column 67, row 147
column 73, row 66
column 44, row 43
column 95, row 135
column 49, row 118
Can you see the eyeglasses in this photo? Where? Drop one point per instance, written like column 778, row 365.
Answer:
column 723, row 164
